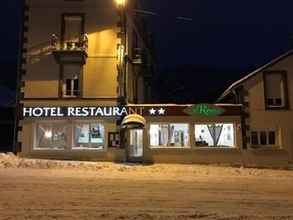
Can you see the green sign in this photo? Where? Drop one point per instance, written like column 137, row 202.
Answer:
column 205, row 110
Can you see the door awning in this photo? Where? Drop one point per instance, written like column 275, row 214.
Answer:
column 134, row 121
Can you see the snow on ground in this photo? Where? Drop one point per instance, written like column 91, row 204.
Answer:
column 43, row 189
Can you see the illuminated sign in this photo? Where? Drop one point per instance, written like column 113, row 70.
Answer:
column 102, row 111
column 75, row 111
column 204, row 109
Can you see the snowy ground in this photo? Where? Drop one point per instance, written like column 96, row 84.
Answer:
column 39, row 189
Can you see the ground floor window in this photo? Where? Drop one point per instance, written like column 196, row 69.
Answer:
column 89, row 135
column 215, row 135
column 52, row 136
column 70, row 135
column 169, row 135
column 263, row 138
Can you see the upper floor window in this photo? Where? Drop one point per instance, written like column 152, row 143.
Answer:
column 74, row 42
column 71, row 80
column 276, row 91
column 72, row 30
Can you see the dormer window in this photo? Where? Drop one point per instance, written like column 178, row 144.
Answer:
column 276, row 91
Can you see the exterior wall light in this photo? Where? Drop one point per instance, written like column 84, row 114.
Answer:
column 120, row 3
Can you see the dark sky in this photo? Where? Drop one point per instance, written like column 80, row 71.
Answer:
column 234, row 34
column 227, row 33
column 9, row 21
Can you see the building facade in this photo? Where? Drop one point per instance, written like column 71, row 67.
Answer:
column 266, row 95
column 85, row 79
column 80, row 53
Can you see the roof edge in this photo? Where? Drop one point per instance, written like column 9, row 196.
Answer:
column 248, row 76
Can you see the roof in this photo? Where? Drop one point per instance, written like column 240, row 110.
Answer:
column 237, row 83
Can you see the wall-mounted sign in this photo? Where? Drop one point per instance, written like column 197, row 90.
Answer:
column 205, row 110
column 105, row 111
column 114, row 139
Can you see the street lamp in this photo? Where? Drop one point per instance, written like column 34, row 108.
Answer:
column 120, row 3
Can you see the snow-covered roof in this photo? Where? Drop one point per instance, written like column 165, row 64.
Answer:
column 235, row 84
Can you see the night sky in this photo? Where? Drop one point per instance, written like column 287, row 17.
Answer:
column 9, row 21
column 224, row 36
column 223, row 33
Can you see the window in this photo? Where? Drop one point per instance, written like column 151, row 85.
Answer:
column 71, row 82
column 254, row 138
column 263, row 138
column 72, row 31
column 51, row 136
column 169, row 135
column 272, row 138
column 89, row 136
column 71, row 87
column 276, row 90
column 214, row 135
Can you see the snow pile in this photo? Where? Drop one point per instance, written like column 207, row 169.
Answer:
column 170, row 170
column 12, row 161
column 6, row 160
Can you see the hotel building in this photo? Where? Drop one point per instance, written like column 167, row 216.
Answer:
column 85, row 93
column 80, row 53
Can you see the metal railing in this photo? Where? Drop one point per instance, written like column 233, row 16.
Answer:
column 77, row 44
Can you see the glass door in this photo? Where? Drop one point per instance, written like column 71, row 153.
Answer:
column 135, row 152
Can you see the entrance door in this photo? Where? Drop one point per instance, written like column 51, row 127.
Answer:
column 135, row 148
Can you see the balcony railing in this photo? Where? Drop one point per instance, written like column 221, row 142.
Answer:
column 70, row 51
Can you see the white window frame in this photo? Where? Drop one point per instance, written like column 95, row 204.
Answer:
column 284, row 91
column 78, row 76
column 268, row 145
column 75, row 148
column 51, row 123
column 217, row 147
column 72, row 88
column 168, row 146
